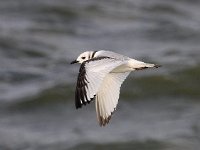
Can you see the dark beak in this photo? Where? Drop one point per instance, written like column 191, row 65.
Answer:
column 73, row 62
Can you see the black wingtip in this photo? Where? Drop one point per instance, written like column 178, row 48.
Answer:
column 77, row 107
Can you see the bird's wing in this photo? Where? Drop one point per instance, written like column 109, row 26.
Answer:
column 91, row 75
column 111, row 54
column 108, row 95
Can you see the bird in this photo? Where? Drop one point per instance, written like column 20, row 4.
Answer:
column 100, row 77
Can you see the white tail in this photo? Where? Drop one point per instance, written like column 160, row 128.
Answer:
column 139, row 65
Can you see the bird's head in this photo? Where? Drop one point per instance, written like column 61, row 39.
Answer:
column 84, row 56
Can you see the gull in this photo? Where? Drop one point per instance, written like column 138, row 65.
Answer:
column 100, row 77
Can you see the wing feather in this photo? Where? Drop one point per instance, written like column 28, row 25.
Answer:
column 90, row 78
column 108, row 95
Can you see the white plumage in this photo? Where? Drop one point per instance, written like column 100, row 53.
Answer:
column 100, row 77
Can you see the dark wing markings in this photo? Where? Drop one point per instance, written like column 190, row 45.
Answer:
column 80, row 94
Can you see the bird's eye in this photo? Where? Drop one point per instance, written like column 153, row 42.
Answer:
column 83, row 57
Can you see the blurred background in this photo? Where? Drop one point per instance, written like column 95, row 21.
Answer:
column 159, row 109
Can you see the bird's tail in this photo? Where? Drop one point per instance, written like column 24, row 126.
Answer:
column 139, row 65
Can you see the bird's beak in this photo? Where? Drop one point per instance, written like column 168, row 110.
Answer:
column 73, row 62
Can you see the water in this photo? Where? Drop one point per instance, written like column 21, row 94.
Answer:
column 158, row 109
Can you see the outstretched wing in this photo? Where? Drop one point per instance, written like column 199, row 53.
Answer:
column 108, row 95
column 91, row 74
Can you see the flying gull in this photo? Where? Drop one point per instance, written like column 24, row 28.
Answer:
column 100, row 77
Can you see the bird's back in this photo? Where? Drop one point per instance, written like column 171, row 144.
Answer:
column 111, row 54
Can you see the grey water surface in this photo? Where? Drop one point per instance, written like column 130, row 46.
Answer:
column 159, row 109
